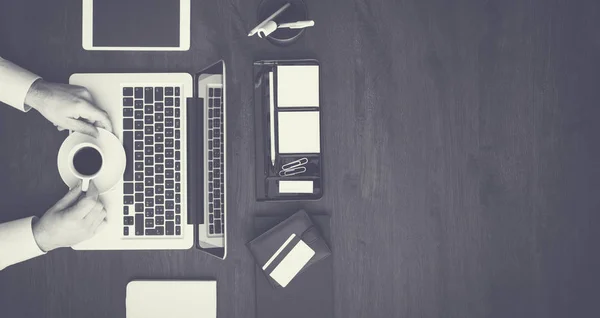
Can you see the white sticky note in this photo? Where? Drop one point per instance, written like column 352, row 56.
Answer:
column 295, row 186
column 299, row 132
column 298, row 86
column 292, row 263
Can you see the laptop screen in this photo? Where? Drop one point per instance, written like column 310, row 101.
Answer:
column 212, row 213
column 136, row 23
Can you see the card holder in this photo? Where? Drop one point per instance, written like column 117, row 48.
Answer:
column 275, row 244
column 297, row 173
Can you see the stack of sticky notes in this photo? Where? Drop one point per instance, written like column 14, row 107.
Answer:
column 297, row 86
column 298, row 114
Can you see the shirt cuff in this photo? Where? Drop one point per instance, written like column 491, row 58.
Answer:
column 14, row 84
column 18, row 243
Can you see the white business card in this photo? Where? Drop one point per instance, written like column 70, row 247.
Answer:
column 279, row 250
column 293, row 263
column 296, row 186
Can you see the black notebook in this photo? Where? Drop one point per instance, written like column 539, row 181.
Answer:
column 289, row 248
column 309, row 295
column 289, row 144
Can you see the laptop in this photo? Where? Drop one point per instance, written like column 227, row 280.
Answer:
column 173, row 191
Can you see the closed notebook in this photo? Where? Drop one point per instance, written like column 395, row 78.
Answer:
column 288, row 249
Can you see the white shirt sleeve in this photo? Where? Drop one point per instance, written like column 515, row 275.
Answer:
column 17, row 243
column 14, row 84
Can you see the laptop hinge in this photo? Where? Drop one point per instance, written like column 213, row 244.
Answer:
column 195, row 166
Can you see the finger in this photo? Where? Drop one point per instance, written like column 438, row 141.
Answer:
column 101, row 125
column 59, row 128
column 92, row 191
column 90, row 112
column 82, row 127
column 100, row 227
column 101, row 217
column 81, row 208
column 70, row 198
column 84, row 93
column 94, row 214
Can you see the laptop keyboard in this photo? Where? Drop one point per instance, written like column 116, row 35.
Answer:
column 216, row 163
column 152, row 180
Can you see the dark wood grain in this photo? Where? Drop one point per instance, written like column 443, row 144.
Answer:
column 459, row 143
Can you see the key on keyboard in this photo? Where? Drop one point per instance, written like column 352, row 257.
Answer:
column 146, row 123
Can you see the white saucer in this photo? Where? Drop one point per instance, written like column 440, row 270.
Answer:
column 114, row 159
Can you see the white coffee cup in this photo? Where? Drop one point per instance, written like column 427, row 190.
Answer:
column 86, row 161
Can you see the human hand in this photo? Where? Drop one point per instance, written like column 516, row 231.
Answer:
column 73, row 219
column 67, row 107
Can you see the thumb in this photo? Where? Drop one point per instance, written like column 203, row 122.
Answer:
column 92, row 191
column 82, row 126
column 69, row 198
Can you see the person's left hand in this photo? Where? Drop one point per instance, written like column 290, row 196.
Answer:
column 73, row 219
column 67, row 107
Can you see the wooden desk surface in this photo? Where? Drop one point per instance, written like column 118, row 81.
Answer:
column 460, row 157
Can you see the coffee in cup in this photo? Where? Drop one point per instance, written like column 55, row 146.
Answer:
column 86, row 162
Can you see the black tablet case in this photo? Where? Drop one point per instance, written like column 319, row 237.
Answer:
column 310, row 294
column 267, row 177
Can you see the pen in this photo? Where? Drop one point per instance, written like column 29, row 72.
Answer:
column 271, row 26
column 272, row 117
column 297, row 24
column 273, row 16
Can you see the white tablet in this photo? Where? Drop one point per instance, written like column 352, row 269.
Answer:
column 136, row 25
column 171, row 298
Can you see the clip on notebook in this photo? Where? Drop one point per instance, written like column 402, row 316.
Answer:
column 293, row 168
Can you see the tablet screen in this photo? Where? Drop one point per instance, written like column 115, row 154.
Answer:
column 136, row 23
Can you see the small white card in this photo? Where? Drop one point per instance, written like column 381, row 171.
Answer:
column 279, row 250
column 296, row 186
column 293, row 263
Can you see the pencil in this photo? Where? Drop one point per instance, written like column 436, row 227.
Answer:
column 272, row 117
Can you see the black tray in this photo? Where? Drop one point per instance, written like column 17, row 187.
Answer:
column 267, row 177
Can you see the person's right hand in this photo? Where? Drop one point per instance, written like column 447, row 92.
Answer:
column 67, row 107
column 73, row 219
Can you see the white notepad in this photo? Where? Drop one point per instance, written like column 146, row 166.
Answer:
column 299, row 132
column 298, row 86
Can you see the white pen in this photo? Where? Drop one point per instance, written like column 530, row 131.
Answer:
column 271, row 26
column 273, row 16
column 272, row 116
column 297, row 24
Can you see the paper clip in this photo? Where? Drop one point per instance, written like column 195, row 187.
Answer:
column 293, row 168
